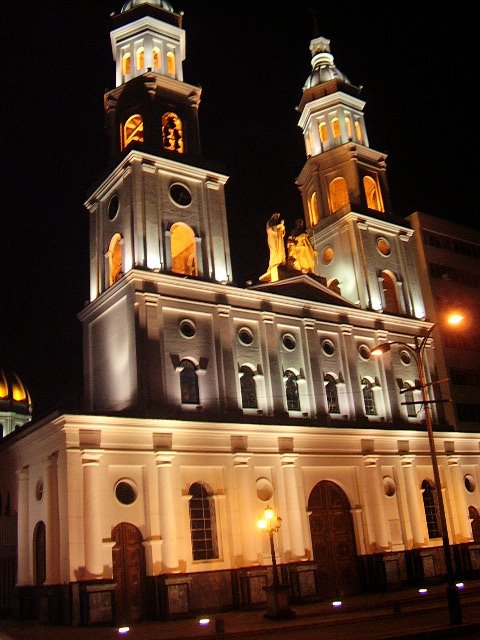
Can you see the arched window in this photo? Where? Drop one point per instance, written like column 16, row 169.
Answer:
column 409, row 401
column 184, row 252
column 132, row 130
column 372, row 194
column 140, row 58
column 189, row 383
column 430, row 507
column 348, row 124
column 39, row 553
column 358, row 131
column 248, row 388
column 157, row 59
column 336, row 128
column 202, row 523
column 313, row 209
column 291, row 391
column 171, row 63
column 322, row 132
column 126, row 64
column 369, row 398
column 115, row 259
column 390, row 293
column 338, row 194
column 332, row 394
column 172, row 132
column 475, row 520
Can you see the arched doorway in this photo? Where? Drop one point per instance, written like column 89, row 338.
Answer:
column 40, row 553
column 333, row 541
column 129, row 572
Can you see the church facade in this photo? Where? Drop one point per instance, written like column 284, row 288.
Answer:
column 205, row 403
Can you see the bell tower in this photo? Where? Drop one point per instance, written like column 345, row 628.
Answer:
column 365, row 251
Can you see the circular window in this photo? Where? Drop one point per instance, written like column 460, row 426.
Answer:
column 125, row 492
column 289, row 342
column 39, row 490
column 364, row 352
column 327, row 255
column 328, row 347
column 264, row 489
column 180, row 195
column 469, row 483
column 383, row 247
column 405, row 357
column 245, row 336
column 187, row 328
column 389, row 486
column 113, row 207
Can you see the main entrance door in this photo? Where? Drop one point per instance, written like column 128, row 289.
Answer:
column 129, row 571
column 333, row 541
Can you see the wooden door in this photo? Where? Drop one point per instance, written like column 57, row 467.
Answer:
column 129, row 572
column 333, row 541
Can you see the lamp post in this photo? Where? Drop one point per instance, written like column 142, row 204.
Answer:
column 452, row 594
column 277, row 594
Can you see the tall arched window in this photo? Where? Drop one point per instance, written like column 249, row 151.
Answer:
column 409, row 401
column 184, row 252
column 39, row 553
column 348, row 124
column 157, row 59
column 172, row 132
column 202, row 523
column 369, row 398
column 429, row 505
column 189, row 383
column 140, row 58
column 126, row 64
column 313, row 209
column 115, row 259
column 336, row 128
column 132, row 130
column 248, row 388
column 322, row 132
column 331, row 391
column 358, row 131
column 390, row 293
column 291, row 391
column 372, row 194
column 338, row 194
column 171, row 63
column 475, row 520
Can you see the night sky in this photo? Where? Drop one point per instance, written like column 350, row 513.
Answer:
column 417, row 70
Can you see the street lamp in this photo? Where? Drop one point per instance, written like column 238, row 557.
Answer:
column 452, row 594
column 277, row 594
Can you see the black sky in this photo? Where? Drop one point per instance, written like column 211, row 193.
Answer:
column 419, row 77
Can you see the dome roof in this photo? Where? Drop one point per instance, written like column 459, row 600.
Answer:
column 14, row 396
column 161, row 4
column 323, row 66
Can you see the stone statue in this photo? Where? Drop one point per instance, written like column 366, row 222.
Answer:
column 301, row 254
column 276, row 243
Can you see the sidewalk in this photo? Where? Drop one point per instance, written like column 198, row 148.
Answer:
column 382, row 616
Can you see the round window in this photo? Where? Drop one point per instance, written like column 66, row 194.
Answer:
column 364, row 352
column 245, row 336
column 187, row 328
column 180, row 194
column 383, row 247
column 125, row 492
column 39, row 490
column 469, row 483
column 264, row 489
column 327, row 255
column 328, row 347
column 405, row 357
column 113, row 207
column 289, row 342
column 389, row 486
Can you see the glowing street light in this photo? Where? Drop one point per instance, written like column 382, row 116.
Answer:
column 452, row 593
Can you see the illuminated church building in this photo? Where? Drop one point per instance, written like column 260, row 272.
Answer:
column 205, row 402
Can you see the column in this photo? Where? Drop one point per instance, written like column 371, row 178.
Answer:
column 417, row 517
column 92, row 520
column 52, row 541
column 464, row 525
column 246, row 501
column 23, row 536
column 374, row 491
column 294, row 508
column 168, row 528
